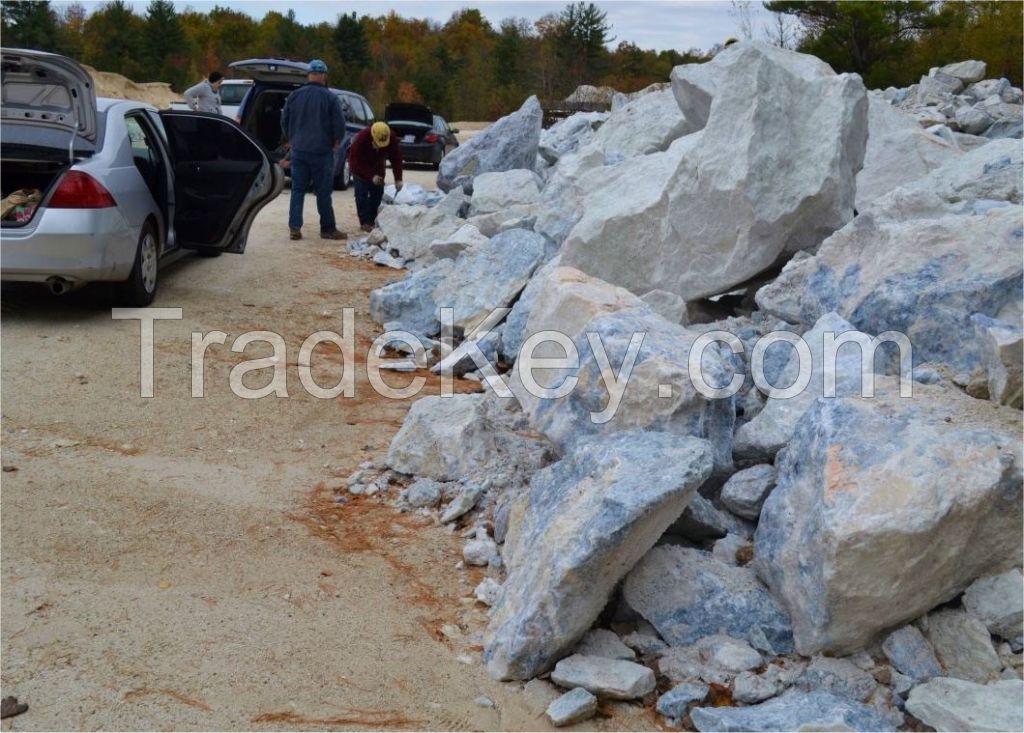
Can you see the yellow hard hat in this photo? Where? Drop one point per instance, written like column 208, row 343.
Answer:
column 381, row 134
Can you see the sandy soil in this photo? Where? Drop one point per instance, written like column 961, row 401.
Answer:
column 179, row 563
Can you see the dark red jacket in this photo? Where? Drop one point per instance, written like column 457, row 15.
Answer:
column 366, row 161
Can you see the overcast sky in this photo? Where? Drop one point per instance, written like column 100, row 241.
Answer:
column 657, row 24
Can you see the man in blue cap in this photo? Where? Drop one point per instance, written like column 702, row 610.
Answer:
column 314, row 124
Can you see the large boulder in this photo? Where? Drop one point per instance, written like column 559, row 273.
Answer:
column 647, row 124
column 898, row 151
column 763, row 436
column 658, row 393
column 921, row 260
column 962, row 644
column 481, row 279
column 488, row 436
column 498, row 191
column 966, row 71
column 887, row 507
column 509, row 143
column 771, row 172
column 948, row 704
column 688, row 594
column 411, row 229
column 569, row 135
column 793, row 710
column 581, row 526
column 565, row 301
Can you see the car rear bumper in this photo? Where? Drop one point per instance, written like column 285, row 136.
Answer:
column 419, row 152
column 79, row 245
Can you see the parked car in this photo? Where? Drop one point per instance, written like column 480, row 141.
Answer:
column 423, row 136
column 122, row 184
column 260, row 110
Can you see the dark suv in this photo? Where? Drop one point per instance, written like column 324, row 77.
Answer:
column 260, row 111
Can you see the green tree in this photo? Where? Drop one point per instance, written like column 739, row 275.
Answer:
column 165, row 52
column 113, row 40
column 583, row 31
column 352, row 49
column 870, row 38
column 29, row 24
column 71, row 30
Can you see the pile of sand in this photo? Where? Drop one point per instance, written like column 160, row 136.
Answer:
column 108, row 84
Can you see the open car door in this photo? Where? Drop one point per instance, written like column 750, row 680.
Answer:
column 222, row 178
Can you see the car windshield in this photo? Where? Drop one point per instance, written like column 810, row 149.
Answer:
column 233, row 93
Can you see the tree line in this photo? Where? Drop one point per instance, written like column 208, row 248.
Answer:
column 467, row 68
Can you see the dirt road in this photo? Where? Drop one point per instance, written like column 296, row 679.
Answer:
column 180, row 563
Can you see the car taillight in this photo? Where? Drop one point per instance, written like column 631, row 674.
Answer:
column 430, row 138
column 78, row 190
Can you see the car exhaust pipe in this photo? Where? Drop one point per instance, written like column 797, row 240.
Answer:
column 59, row 286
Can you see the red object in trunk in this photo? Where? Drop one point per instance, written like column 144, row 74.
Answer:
column 78, row 190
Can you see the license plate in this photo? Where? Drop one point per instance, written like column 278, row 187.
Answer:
column 409, row 139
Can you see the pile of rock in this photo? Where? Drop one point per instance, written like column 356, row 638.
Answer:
column 960, row 98
column 819, row 559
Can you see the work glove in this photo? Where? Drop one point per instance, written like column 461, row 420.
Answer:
column 378, row 180
column 398, row 186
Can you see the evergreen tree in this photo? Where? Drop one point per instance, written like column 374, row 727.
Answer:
column 165, row 54
column 113, row 40
column 352, row 48
column 30, row 24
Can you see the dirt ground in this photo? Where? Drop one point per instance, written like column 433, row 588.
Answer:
column 180, row 563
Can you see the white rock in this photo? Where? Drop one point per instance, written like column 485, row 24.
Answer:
column 569, row 135
column 509, row 143
column 411, row 229
column 647, row 124
column 603, row 643
column 749, row 688
column 956, row 705
column 612, row 678
column 911, row 654
column 717, row 207
column 480, row 551
column 898, row 152
column 746, row 490
column 572, row 707
column 867, row 479
column 973, row 121
column 966, row 71
column 1002, row 353
column 583, row 523
column 838, row 676
column 998, row 601
column 497, row 191
column 487, row 591
column 963, row 645
column 466, row 237
column 667, row 305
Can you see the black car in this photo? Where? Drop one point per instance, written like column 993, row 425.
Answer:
column 260, row 111
column 423, row 136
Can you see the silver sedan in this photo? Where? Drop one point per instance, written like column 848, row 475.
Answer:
column 108, row 188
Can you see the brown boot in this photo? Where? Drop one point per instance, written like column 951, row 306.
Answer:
column 335, row 234
column 294, row 234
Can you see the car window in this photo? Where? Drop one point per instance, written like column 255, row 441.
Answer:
column 369, row 112
column 145, row 153
column 440, row 126
column 232, row 94
column 358, row 111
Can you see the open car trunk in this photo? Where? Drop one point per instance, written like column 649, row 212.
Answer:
column 264, row 122
column 410, row 122
column 26, row 174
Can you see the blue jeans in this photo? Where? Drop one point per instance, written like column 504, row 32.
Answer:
column 318, row 168
column 368, row 198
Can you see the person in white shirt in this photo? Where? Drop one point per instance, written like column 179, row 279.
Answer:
column 205, row 96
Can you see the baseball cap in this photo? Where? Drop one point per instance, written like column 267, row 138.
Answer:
column 316, row 66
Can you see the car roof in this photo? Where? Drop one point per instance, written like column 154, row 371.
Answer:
column 103, row 104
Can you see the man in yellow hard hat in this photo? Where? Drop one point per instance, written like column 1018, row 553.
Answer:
column 370, row 150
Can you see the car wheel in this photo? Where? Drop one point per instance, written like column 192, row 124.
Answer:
column 344, row 179
column 139, row 289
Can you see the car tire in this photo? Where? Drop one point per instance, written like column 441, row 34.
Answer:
column 343, row 179
column 139, row 289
